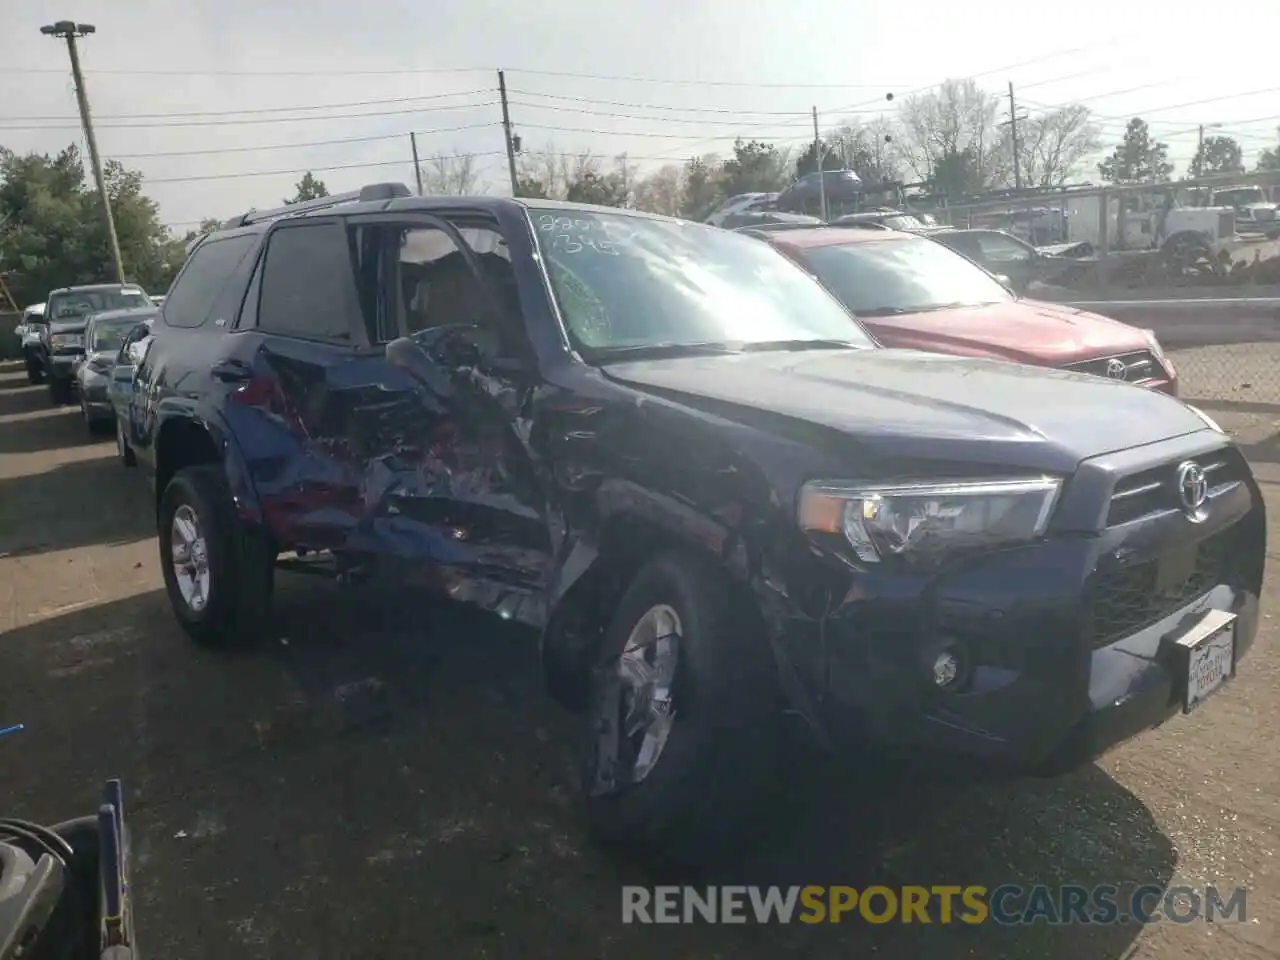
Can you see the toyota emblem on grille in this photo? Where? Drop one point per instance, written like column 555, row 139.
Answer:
column 1193, row 488
column 1116, row 369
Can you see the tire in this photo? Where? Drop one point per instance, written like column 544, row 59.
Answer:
column 720, row 755
column 59, row 391
column 239, row 563
column 123, row 450
column 35, row 372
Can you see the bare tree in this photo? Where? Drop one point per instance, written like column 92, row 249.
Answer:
column 555, row 171
column 953, row 129
column 868, row 149
column 452, row 176
column 661, row 191
column 1052, row 145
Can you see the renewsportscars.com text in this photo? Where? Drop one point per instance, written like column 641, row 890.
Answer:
column 1008, row 904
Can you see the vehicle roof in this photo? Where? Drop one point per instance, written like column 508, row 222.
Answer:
column 481, row 203
column 834, row 236
column 94, row 287
column 125, row 313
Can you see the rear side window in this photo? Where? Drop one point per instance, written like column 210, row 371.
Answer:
column 308, row 287
column 191, row 299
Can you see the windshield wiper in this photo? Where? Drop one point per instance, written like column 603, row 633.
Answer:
column 819, row 344
column 657, row 351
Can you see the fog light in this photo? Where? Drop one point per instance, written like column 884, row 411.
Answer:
column 946, row 669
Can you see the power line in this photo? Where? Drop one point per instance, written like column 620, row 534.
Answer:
column 299, row 170
column 654, row 106
column 261, row 110
column 293, row 146
column 627, row 133
column 633, row 116
column 256, row 120
column 257, row 73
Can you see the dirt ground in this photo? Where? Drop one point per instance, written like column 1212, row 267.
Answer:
column 385, row 779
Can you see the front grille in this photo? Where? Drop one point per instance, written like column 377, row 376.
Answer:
column 1138, row 367
column 1156, row 489
column 1129, row 598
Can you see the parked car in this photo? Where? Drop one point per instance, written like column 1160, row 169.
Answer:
column 120, row 386
column 62, row 340
column 1007, row 256
column 158, row 300
column 805, row 193
column 679, row 458
column 740, row 204
column 893, row 219
column 914, row 293
column 28, row 332
column 104, row 337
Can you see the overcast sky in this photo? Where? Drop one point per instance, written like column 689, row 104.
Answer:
column 573, row 67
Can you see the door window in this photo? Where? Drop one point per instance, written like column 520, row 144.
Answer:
column 1001, row 249
column 307, row 285
column 206, row 273
column 434, row 285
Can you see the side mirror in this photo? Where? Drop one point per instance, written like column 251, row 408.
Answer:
column 1004, row 281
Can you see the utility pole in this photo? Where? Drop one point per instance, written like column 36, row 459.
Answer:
column 417, row 166
column 1013, row 135
column 817, row 156
column 1199, row 159
column 507, row 135
column 70, row 31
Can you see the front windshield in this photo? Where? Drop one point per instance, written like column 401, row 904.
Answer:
column 901, row 276
column 110, row 336
column 1236, row 198
column 81, row 303
column 624, row 281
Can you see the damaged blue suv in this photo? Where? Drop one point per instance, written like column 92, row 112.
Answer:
column 712, row 494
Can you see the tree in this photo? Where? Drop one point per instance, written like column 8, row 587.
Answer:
column 952, row 131
column 1270, row 159
column 867, row 150
column 532, row 188
column 701, row 187
column 53, row 234
column 1217, row 155
column 1052, row 145
column 1137, row 158
column 755, row 167
column 308, row 188
column 452, row 176
column 607, row 190
column 661, row 191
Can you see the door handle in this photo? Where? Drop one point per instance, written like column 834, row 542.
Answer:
column 231, row 371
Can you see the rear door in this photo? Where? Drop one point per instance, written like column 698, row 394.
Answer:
column 298, row 361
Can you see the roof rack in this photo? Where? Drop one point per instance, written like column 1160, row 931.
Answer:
column 366, row 194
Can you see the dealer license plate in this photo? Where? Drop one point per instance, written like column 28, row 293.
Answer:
column 1211, row 656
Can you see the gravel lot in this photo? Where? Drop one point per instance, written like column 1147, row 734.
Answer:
column 385, row 780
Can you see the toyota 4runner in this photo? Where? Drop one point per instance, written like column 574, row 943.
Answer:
column 713, row 495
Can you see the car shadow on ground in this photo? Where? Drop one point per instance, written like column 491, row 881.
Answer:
column 74, row 504
column 17, row 402
column 60, row 428
column 400, row 755
column 1263, row 451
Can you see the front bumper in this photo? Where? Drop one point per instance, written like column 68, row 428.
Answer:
column 1066, row 658
column 61, row 366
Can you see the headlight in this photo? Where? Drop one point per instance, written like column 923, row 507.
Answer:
column 1211, row 423
column 66, row 339
column 926, row 519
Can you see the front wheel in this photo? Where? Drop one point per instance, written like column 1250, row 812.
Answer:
column 218, row 574
column 681, row 728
